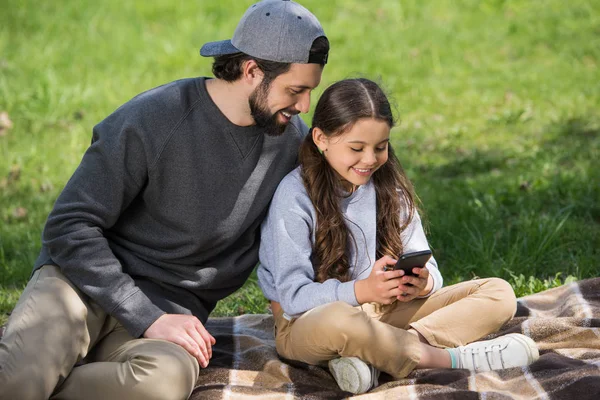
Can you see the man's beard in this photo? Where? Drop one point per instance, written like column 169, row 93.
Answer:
column 260, row 111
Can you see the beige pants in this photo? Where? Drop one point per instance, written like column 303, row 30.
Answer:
column 60, row 344
column 453, row 316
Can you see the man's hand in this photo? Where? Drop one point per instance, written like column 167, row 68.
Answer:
column 414, row 286
column 186, row 331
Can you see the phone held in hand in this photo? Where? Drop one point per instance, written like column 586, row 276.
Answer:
column 408, row 261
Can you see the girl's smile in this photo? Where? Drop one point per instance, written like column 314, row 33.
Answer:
column 363, row 172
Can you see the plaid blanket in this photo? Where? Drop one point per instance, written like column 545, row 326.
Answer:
column 565, row 323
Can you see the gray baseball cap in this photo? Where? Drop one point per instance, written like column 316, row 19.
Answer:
column 273, row 30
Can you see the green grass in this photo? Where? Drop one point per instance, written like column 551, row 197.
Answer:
column 499, row 105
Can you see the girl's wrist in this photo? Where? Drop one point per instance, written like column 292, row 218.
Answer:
column 361, row 291
column 428, row 287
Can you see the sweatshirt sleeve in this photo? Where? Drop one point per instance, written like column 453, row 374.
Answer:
column 111, row 174
column 286, row 272
column 414, row 239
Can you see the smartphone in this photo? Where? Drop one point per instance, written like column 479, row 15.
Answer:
column 408, row 261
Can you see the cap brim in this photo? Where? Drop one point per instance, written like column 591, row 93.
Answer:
column 213, row 49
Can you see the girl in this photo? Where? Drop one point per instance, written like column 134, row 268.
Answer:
column 335, row 226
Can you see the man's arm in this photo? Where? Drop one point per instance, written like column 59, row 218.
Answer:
column 111, row 174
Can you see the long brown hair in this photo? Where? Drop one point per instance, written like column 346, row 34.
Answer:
column 341, row 105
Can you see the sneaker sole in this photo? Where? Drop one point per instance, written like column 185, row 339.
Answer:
column 348, row 371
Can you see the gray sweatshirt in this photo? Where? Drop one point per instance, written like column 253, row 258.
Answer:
column 164, row 211
column 286, row 272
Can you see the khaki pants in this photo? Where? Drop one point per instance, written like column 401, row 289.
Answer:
column 60, row 344
column 453, row 316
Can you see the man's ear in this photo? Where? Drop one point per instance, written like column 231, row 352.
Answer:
column 320, row 139
column 251, row 73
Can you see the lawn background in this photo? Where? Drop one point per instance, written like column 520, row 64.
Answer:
column 499, row 107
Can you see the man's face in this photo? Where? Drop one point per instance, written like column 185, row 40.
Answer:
column 273, row 105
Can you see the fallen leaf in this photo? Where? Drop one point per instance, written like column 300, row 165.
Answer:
column 46, row 187
column 78, row 115
column 5, row 123
column 19, row 213
column 14, row 174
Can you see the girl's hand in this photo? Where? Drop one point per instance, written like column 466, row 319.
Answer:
column 415, row 286
column 381, row 286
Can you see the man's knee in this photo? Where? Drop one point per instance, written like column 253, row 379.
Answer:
column 45, row 335
column 59, row 310
column 52, row 296
column 174, row 372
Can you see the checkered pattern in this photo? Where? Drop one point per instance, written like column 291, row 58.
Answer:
column 564, row 322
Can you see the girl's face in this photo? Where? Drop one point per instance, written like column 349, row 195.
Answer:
column 356, row 154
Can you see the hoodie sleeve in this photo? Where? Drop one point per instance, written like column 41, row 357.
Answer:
column 111, row 174
column 414, row 239
column 286, row 272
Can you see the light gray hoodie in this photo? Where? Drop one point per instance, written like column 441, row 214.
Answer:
column 287, row 273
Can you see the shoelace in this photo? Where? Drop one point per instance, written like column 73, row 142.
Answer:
column 489, row 352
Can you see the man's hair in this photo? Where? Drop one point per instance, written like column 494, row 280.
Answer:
column 229, row 67
column 339, row 108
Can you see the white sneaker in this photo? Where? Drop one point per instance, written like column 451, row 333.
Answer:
column 353, row 374
column 508, row 351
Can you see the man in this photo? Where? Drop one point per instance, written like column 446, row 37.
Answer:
column 161, row 220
